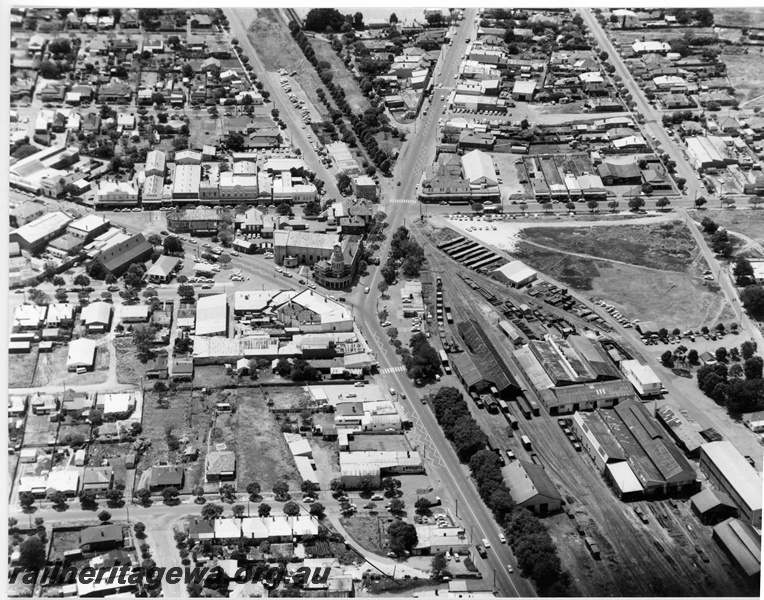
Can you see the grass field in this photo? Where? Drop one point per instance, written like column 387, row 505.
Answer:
column 276, row 49
column 21, row 369
column 668, row 246
column 367, row 531
column 670, row 298
column 262, row 453
column 342, row 77
column 749, row 222
column 129, row 368
column 738, row 17
column 745, row 75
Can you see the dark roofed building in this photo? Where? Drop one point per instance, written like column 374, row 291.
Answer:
column 531, row 487
column 117, row 259
column 619, row 173
column 742, row 542
column 490, row 364
column 157, row 368
column 103, row 537
column 165, row 476
column 713, row 506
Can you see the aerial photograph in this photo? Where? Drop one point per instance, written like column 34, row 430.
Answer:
column 420, row 302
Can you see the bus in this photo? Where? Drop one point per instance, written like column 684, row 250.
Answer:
column 443, row 357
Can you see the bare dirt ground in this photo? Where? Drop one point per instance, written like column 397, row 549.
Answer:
column 21, row 369
column 129, row 368
column 51, row 369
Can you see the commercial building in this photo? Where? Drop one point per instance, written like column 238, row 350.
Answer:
column 516, row 274
column 186, row 181
column 434, row 539
column 196, row 221
column 88, row 227
column 33, row 236
column 116, row 193
column 708, row 152
column 479, row 169
column 492, row 370
column 629, row 448
column 364, row 187
column 713, row 506
column 531, row 487
column 116, row 259
column 339, row 270
column 642, row 377
column 586, row 396
column 302, row 247
column 575, row 359
column 686, row 435
column 377, row 465
column 212, row 315
column 524, row 89
column 311, row 312
column 730, row 472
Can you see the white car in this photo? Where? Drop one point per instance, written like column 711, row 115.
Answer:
column 502, row 538
column 486, row 543
column 278, row 269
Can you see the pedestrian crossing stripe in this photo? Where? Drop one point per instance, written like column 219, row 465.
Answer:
column 403, row 201
column 387, row 370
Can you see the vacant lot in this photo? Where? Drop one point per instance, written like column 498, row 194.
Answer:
column 750, row 222
column 342, row 77
column 203, row 130
column 369, row 532
column 292, row 398
column 674, row 299
column 188, row 416
column 262, row 454
column 51, row 369
column 129, row 368
column 21, row 369
column 37, row 428
column 276, row 49
column 738, row 17
column 745, row 75
column 389, row 443
column 73, row 429
column 668, row 246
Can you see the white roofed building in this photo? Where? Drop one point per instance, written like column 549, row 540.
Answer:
column 642, row 377
column 81, row 354
column 479, row 170
column 515, row 274
column 212, row 315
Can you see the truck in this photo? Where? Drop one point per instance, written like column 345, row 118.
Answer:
column 592, row 547
column 526, row 442
column 514, row 423
column 504, row 406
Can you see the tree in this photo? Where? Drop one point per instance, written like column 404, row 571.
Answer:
column 667, row 359
column 662, row 202
column 81, row 280
column 366, row 485
column 58, row 498
column 140, row 530
column 212, row 511
column 753, row 367
column 172, row 245
column 114, row 496
column 58, row 281
column 692, row 356
column 438, row 565
column 308, row 488
column 397, row 506
column 317, row 510
column 237, row 510
column 700, row 201
column 721, row 354
column 747, row 349
column 104, row 516
column 344, row 183
column 49, row 70
column 422, row 506
column 264, row 510
column 337, row 486
column 143, row 495
column 284, row 209
column 592, row 205
column 752, row 299
column 281, row 489
column 402, row 537
column 253, row 489
column 743, row 271
column 736, row 371
column 32, row 553
column 382, row 287
column 391, row 486
column 291, row 509
column 636, row 203
column 170, row 494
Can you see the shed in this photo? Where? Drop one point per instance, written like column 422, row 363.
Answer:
column 713, row 506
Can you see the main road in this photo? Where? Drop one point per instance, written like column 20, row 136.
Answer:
column 419, row 151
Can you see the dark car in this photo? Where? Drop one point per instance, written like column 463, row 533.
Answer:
column 164, row 232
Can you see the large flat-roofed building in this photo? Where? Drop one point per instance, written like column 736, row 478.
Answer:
column 186, row 181
column 33, row 236
column 586, row 396
column 117, row 258
column 212, row 315
column 364, row 187
column 341, row 154
column 515, row 274
column 376, row 465
column 642, row 377
column 88, row 227
column 531, row 487
column 730, row 472
column 116, row 193
column 81, row 354
column 303, row 247
column 155, row 163
column 198, row 221
column 313, row 312
column 707, row 152
column 628, row 434
column 479, row 170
